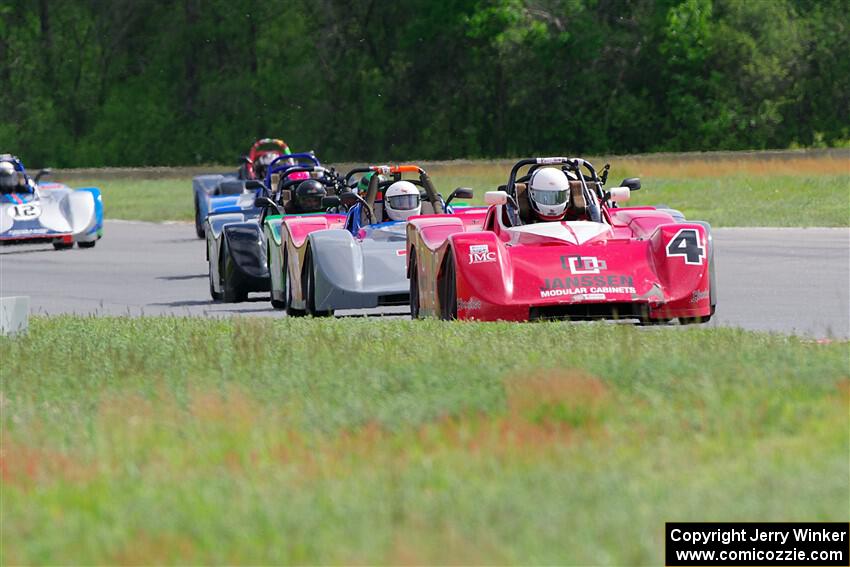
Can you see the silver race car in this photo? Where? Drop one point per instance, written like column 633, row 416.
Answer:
column 319, row 268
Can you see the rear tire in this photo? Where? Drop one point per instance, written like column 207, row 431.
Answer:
column 694, row 320
column 287, row 290
column 232, row 292
column 199, row 222
column 647, row 322
column 63, row 245
column 448, row 305
column 414, row 286
column 87, row 244
column 216, row 295
column 309, row 279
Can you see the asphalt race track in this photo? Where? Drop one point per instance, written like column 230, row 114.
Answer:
column 790, row 280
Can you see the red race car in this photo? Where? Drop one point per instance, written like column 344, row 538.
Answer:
column 555, row 244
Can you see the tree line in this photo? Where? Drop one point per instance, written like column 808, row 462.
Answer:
column 147, row 82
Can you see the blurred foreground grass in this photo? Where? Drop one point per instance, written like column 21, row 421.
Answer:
column 727, row 191
column 265, row 441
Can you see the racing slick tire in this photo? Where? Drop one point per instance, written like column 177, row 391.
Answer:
column 287, row 287
column 414, row 286
column 232, row 292
column 309, row 280
column 63, row 245
column 87, row 244
column 199, row 226
column 448, row 287
column 216, row 295
column 276, row 304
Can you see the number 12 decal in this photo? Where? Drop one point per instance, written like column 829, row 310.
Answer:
column 686, row 243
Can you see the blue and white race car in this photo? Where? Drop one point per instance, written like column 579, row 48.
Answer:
column 35, row 212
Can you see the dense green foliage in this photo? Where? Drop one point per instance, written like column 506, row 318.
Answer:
column 135, row 82
column 259, row 441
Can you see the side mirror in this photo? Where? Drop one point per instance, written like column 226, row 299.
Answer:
column 495, row 198
column 43, row 173
column 460, row 193
column 253, row 185
column 330, row 202
column 632, row 183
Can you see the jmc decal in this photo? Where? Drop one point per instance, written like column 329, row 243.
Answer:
column 480, row 254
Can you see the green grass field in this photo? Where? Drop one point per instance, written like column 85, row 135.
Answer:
column 151, row 440
column 726, row 191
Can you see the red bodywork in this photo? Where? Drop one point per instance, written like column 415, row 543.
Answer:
column 259, row 149
column 633, row 264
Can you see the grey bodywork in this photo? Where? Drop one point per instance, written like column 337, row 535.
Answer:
column 353, row 274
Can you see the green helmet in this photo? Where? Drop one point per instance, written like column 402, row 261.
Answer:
column 363, row 184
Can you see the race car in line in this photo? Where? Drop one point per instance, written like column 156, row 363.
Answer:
column 556, row 244
column 35, row 212
column 236, row 246
column 321, row 264
column 220, row 190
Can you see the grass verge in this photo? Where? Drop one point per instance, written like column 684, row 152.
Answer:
column 728, row 191
column 305, row 441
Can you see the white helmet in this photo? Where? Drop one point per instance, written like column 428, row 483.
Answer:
column 548, row 193
column 401, row 200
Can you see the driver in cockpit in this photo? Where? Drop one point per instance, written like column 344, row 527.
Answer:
column 11, row 181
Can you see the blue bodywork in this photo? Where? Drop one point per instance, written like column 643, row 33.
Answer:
column 222, row 193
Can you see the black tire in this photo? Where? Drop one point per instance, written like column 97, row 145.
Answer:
column 414, row 286
column 276, row 303
column 63, row 245
column 647, row 322
column 87, row 244
column 309, row 282
column 694, row 320
column 287, row 290
column 232, row 292
column 448, row 297
column 199, row 222
column 216, row 295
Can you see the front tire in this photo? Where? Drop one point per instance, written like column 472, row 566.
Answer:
column 310, row 288
column 448, row 305
column 216, row 295
column 287, row 289
column 232, row 292
column 199, row 222
column 414, row 286
column 276, row 303
column 87, row 244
